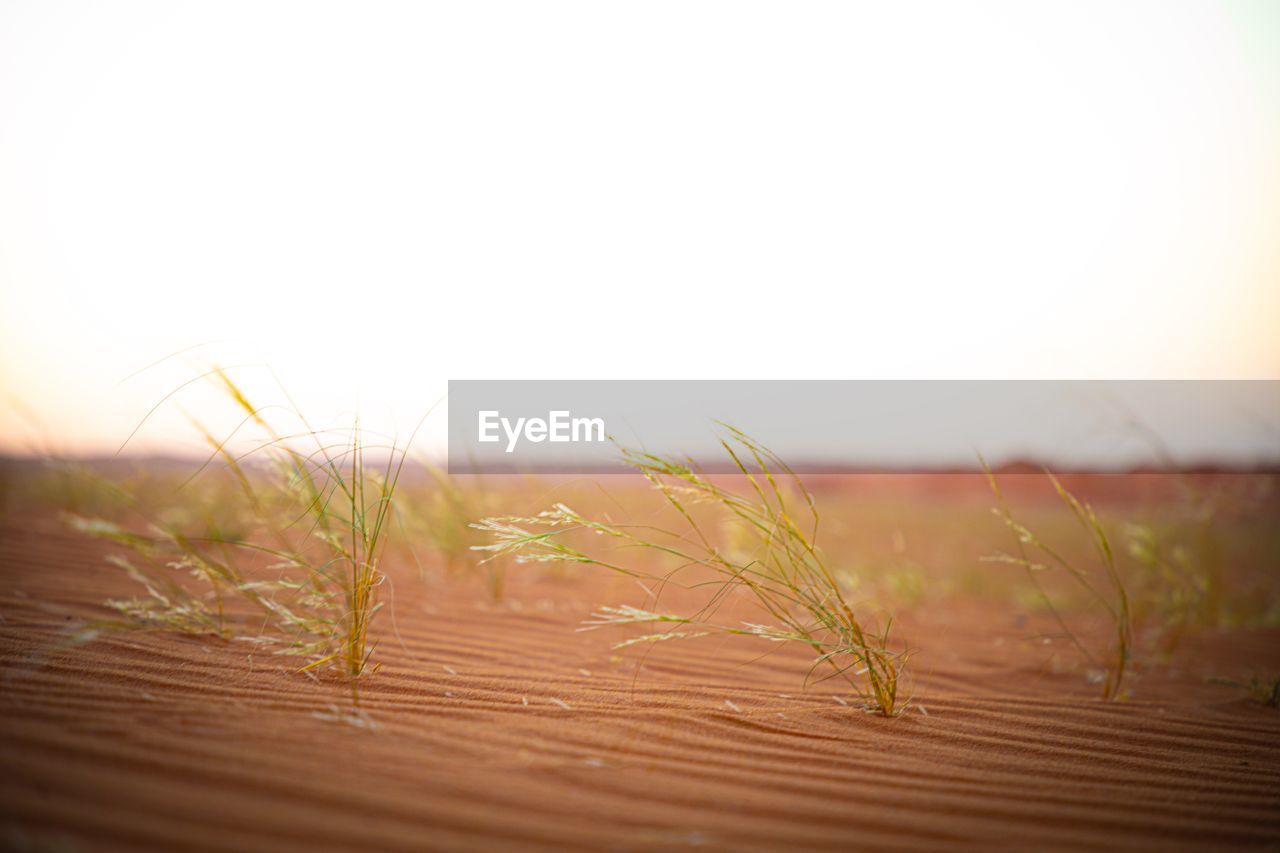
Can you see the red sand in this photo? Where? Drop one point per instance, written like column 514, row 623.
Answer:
column 165, row 742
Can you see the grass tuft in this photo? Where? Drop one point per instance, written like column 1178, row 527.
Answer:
column 298, row 572
column 1111, row 595
column 1265, row 691
column 779, row 567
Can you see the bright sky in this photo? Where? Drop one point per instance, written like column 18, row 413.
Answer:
column 373, row 198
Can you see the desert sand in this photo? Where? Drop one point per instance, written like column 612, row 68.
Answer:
column 501, row 726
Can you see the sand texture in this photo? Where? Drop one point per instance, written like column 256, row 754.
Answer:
column 502, row 727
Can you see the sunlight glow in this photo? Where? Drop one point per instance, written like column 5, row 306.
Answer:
column 375, row 198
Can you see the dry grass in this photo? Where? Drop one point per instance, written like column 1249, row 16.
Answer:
column 439, row 513
column 1111, row 595
column 773, row 560
column 293, row 567
column 1265, row 691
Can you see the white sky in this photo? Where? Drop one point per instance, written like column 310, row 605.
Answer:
column 373, row 198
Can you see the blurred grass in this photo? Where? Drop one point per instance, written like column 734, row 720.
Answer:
column 1196, row 553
